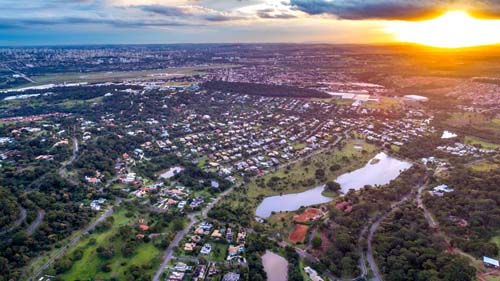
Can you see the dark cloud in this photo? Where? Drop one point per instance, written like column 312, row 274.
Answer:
column 394, row 9
column 163, row 10
column 221, row 18
column 273, row 14
column 46, row 22
column 198, row 12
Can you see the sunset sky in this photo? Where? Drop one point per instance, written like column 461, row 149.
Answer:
column 24, row 22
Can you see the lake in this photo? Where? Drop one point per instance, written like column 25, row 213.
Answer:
column 291, row 202
column 375, row 172
column 380, row 170
column 275, row 266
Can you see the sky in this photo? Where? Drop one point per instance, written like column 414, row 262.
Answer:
column 63, row 22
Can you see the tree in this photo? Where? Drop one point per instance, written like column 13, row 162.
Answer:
column 316, row 242
column 177, row 225
column 63, row 265
column 333, row 186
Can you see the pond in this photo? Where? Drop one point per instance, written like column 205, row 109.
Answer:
column 380, row 170
column 275, row 266
column 291, row 202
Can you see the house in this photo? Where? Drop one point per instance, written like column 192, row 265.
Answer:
column 189, row 247
column 235, row 250
column 229, row 234
column 200, row 272
column 206, row 249
column 175, row 276
column 241, row 236
column 312, row 274
column 231, row 276
column 491, row 263
column 182, row 267
column 216, row 234
column 440, row 190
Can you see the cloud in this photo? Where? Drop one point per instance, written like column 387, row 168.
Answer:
column 393, row 9
column 271, row 13
column 170, row 11
column 195, row 12
column 46, row 22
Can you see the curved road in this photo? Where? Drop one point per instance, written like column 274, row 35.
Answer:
column 36, row 223
column 17, row 223
column 373, row 228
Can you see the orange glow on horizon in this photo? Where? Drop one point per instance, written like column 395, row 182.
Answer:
column 454, row 29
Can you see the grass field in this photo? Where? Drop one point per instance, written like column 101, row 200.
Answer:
column 484, row 166
column 477, row 141
column 90, row 265
column 72, row 103
column 301, row 176
column 384, row 103
column 460, row 119
column 94, row 77
column 496, row 240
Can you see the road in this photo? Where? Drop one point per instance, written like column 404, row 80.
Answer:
column 71, row 243
column 420, row 203
column 362, row 257
column 193, row 219
column 22, row 75
column 17, row 223
column 372, row 229
column 62, row 170
column 35, row 224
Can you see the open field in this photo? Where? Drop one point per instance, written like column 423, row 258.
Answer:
column 484, row 166
column 460, row 119
column 477, row 141
column 298, row 233
column 385, row 103
column 301, row 176
column 496, row 240
column 94, row 77
column 72, row 103
column 91, row 265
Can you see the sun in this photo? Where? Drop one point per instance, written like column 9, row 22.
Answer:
column 454, row 29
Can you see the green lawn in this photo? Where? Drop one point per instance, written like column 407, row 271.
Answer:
column 496, row 240
column 300, row 145
column 219, row 252
column 300, row 176
column 484, row 166
column 107, row 76
column 477, row 141
column 72, row 103
column 384, row 103
column 89, row 266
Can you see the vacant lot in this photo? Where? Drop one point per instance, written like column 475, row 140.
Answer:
column 298, row 233
column 308, row 215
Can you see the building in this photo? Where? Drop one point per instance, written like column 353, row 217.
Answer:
column 489, row 262
column 231, row 276
column 312, row 274
column 415, row 98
